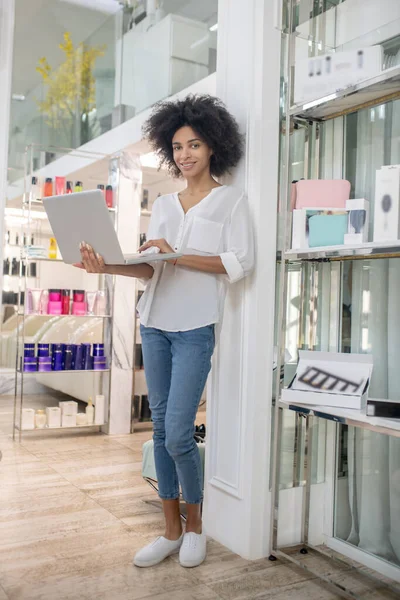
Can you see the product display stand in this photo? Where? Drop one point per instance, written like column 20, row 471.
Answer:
column 314, row 263
column 35, row 165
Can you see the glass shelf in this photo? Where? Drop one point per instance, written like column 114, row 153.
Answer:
column 65, row 316
column 62, row 372
column 377, row 90
column 352, row 417
column 37, row 429
column 370, row 250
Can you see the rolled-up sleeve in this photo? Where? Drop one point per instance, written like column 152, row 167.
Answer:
column 238, row 259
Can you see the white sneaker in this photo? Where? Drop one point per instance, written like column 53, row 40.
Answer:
column 157, row 551
column 193, row 550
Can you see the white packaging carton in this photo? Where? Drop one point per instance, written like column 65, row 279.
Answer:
column 358, row 222
column 28, row 419
column 69, row 407
column 319, row 76
column 53, row 414
column 68, row 420
column 330, row 379
column 387, row 208
column 99, row 410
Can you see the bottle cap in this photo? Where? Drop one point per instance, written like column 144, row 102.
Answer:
column 100, row 186
column 78, row 183
column 109, row 187
column 69, row 185
column 34, row 180
column 66, row 292
column 49, row 180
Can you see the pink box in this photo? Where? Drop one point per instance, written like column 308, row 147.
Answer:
column 322, row 193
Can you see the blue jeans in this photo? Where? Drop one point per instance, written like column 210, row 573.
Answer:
column 176, row 367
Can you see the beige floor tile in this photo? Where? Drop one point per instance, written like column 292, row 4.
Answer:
column 250, row 584
column 308, row 590
column 115, row 583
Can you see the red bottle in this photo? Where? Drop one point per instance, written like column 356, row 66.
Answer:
column 65, row 299
column 48, row 187
column 109, row 196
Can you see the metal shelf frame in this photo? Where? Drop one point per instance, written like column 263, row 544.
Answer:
column 27, row 207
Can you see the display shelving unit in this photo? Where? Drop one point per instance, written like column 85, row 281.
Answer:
column 101, row 378
column 312, row 116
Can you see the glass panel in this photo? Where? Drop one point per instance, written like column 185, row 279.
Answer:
column 367, row 511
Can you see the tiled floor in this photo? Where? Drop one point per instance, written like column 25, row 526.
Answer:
column 73, row 511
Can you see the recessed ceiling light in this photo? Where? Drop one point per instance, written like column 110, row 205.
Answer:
column 214, row 27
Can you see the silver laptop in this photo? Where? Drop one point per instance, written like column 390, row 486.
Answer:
column 84, row 217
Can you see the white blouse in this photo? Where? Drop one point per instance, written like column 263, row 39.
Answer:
column 180, row 299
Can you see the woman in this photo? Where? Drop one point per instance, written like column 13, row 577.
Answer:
column 208, row 224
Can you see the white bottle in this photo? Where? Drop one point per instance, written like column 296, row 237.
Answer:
column 90, row 412
column 99, row 410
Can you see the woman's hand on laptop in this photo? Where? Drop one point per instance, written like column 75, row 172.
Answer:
column 91, row 262
column 162, row 245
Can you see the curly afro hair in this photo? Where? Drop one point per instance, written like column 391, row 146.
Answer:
column 209, row 118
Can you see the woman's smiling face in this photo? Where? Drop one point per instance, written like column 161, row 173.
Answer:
column 191, row 154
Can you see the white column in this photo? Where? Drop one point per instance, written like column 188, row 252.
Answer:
column 237, row 498
column 129, row 174
column 6, row 53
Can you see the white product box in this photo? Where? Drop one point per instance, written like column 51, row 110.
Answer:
column 387, row 209
column 68, row 420
column 300, row 226
column 330, row 379
column 99, row 410
column 70, row 407
column 358, row 222
column 320, row 76
column 53, row 414
column 28, row 419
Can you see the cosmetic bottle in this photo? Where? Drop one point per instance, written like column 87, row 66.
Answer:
column 69, row 187
column 60, row 185
column 101, row 303
column 40, row 419
column 78, row 186
column 34, row 194
column 57, row 359
column 65, row 299
column 55, row 295
column 109, row 196
column 44, row 303
column 68, row 357
column 91, row 301
column 43, row 350
column 99, row 413
column 36, row 299
column 53, row 248
column 48, row 187
column 90, row 412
